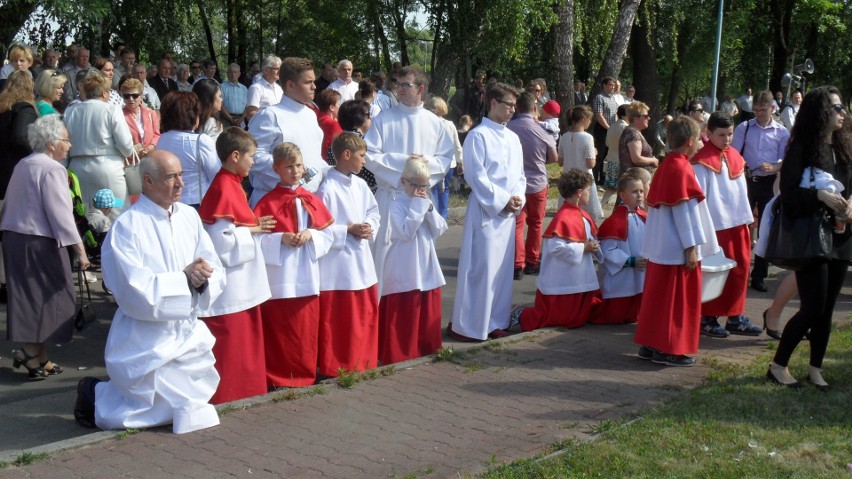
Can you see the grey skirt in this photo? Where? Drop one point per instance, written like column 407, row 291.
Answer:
column 41, row 305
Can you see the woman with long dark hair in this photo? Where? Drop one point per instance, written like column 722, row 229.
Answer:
column 212, row 115
column 818, row 140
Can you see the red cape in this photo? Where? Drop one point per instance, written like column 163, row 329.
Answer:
column 615, row 227
column 281, row 204
column 712, row 158
column 568, row 224
column 226, row 199
column 674, row 182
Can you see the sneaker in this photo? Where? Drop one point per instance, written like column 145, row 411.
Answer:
column 677, row 360
column 710, row 327
column 515, row 316
column 532, row 269
column 741, row 325
column 646, row 353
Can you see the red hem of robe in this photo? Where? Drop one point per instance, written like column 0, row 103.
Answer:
column 563, row 310
column 617, row 310
column 239, row 355
column 736, row 244
column 291, row 331
column 671, row 322
column 409, row 325
column 348, row 330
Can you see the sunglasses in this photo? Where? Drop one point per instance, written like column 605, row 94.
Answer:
column 700, row 110
column 837, row 107
column 128, row 96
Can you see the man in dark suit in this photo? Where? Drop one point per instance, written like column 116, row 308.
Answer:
column 163, row 82
column 580, row 96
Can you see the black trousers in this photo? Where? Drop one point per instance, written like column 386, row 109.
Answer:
column 759, row 193
column 599, row 135
column 819, row 284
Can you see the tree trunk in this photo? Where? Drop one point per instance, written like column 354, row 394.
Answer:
column 231, row 16
column 563, row 75
column 782, row 11
column 208, row 34
column 398, row 11
column 614, row 57
column 645, row 59
column 676, row 77
column 379, row 30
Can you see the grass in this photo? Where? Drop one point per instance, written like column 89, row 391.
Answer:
column 348, row 379
column 293, row 394
column 127, row 433
column 734, row 425
column 27, row 458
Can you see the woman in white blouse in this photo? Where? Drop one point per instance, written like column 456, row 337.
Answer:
column 179, row 118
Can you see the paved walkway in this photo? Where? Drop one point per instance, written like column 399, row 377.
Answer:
column 500, row 401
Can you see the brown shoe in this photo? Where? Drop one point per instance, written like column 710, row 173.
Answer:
column 459, row 337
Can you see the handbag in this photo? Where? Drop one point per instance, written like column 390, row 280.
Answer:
column 132, row 177
column 796, row 242
column 86, row 313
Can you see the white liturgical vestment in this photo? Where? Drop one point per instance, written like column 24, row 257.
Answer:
column 158, row 355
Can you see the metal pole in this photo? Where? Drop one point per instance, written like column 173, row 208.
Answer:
column 716, row 63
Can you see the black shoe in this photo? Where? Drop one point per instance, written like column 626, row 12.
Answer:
column 646, row 353
column 741, row 325
column 710, row 327
column 530, row 269
column 758, row 285
column 772, row 333
column 822, row 387
column 677, row 360
column 4, row 295
column 519, row 274
column 84, row 408
column 771, row 377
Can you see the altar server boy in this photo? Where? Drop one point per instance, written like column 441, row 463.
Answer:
column 678, row 233
column 300, row 237
column 349, row 309
column 235, row 317
column 720, row 170
column 410, row 307
column 623, row 271
column 567, row 287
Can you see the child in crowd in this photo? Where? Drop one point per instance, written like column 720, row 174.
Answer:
column 623, row 271
column 410, row 307
column 550, row 112
column 99, row 216
column 349, row 312
column 567, row 287
column 300, row 237
column 235, row 317
column 720, row 170
column 577, row 150
column 678, row 233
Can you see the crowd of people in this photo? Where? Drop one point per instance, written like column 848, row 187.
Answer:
column 334, row 189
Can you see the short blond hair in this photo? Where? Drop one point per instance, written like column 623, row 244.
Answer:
column 637, row 109
column 48, row 81
column 285, row 152
column 438, row 106
column 680, row 130
column 347, row 141
column 416, row 167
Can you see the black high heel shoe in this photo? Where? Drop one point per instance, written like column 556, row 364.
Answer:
column 771, row 377
column 772, row 333
column 36, row 373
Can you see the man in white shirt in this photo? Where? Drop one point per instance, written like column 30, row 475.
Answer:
column 494, row 170
column 158, row 355
column 788, row 114
column 149, row 95
column 289, row 120
column 399, row 132
column 81, row 61
column 344, row 84
column 745, row 104
column 128, row 59
column 266, row 90
column 234, row 94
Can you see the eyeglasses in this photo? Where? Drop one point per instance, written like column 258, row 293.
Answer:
column 66, row 140
column 647, row 116
column 699, row 110
column 408, row 85
column 128, row 96
column 507, row 103
column 837, row 107
column 418, row 187
column 196, row 67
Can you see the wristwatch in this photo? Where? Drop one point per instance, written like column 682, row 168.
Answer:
column 430, row 209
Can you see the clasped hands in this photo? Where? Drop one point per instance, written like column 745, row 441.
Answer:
column 514, row 205
column 198, row 272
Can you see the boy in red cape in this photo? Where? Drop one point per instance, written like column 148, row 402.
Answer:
column 678, row 233
column 235, row 317
column 567, row 286
column 623, row 269
column 719, row 170
column 291, row 251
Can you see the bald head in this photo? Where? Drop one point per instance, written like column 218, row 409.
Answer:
column 162, row 178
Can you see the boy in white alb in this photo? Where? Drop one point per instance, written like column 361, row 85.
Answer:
column 567, row 287
column 494, row 170
column 349, row 302
column 234, row 318
column 720, row 170
column 300, row 237
column 410, row 306
column 623, row 271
